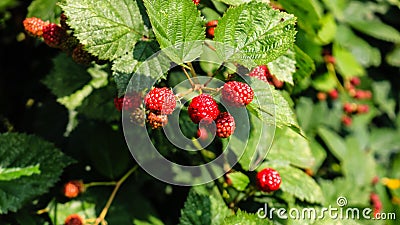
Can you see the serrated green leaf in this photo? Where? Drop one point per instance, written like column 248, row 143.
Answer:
column 393, row 58
column 7, row 174
column 304, row 65
column 58, row 212
column 283, row 67
column 290, row 146
column 377, row 29
column 346, row 63
column 365, row 54
column 234, row 2
column 244, row 218
column 19, row 151
column 124, row 67
column 254, row 32
column 177, row 24
column 308, row 12
column 272, row 106
column 108, row 29
column 297, row 183
column 239, row 180
column 45, row 10
column 334, row 142
column 66, row 76
column 202, row 209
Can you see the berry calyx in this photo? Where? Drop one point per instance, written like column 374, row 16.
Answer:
column 225, row 124
column 157, row 120
column 54, row 35
column 268, row 180
column 34, row 26
column 203, row 107
column 237, row 94
column 74, row 219
column 73, row 188
column 161, row 100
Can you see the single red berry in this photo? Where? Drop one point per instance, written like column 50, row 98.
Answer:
column 260, row 72
column 212, row 23
column 129, row 102
column 73, row 188
column 329, row 59
column 268, row 180
column 362, row 109
column 355, row 81
column 203, row 107
column 54, row 35
column 81, row 56
column 349, row 107
column 333, row 94
column 375, row 180
column 210, row 32
column 196, row 2
column 237, row 94
column 161, row 100
column 157, row 120
column 277, row 83
column 74, row 219
column 225, row 124
column 361, row 94
column 321, row 96
column 34, row 26
column 346, row 120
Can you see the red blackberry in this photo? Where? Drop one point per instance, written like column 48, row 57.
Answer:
column 73, row 188
column 203, row 107
column 196, row 2
column 129, row 102
column 54, row 35
column 157, row 120
column 34, row 26
column 161, row 100
column 237, row 93
column 81, row 56
column 260, row 72
column 268, row 180
column 225, row 124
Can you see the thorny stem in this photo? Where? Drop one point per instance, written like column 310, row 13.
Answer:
column 103, row 213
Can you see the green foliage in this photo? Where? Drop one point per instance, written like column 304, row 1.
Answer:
column 59, row 212
column 177, row 24
column 26, row 152
column 107, row 29
column 44, row 9
column 270, row 35
column 283, row 67
column 239, row 180
column 243, row 218
column 15, row 173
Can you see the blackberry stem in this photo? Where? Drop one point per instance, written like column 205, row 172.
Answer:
column 188, row 77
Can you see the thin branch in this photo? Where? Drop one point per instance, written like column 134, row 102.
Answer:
column 188, row 77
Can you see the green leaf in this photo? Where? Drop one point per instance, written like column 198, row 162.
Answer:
column 234, row 2
column 254, row 32
column 380, row 30
column 239, row 180
column 152, row 220
column 202, row 209
column 45, row 10
column 127, row 64
column 15, row 173
column 283, row 67
column 296, row 182
column 324, row 82
column 308, row 12
column 59, row 212
column 304, row 65
column 244, row 218
column 21, row 151
column 337, row 7
column 364, row 53
column 346, row 63
column 382, row 97
column 66, row 76
column 393, row 58
column 334, row 142
column 108, row 29
column 327, row 32
column 290, row 146
column 177, row 24
column 271, row 107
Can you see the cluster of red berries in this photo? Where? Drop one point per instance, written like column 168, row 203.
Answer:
column 204, row 108
column 263, row 73
column 268, row 180
column 59, row 36
column 159, row 102
column 376, row 203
